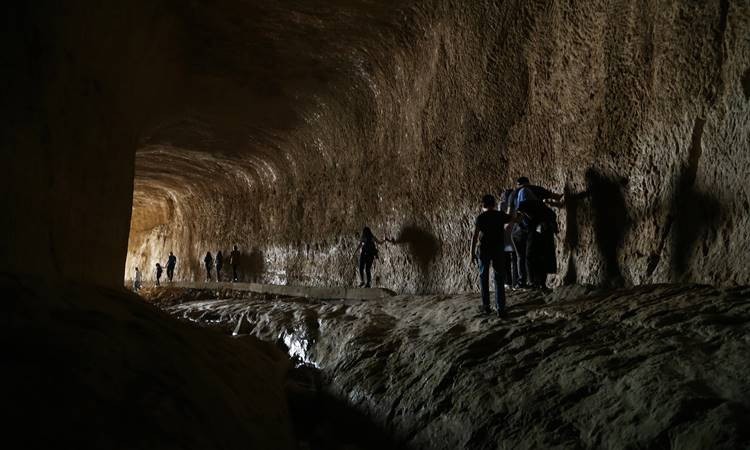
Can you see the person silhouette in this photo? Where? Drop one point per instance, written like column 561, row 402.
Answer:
column 209, row 261
column 171, row 263
column 368, row 255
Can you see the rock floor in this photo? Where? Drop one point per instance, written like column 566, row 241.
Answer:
column 659, row 366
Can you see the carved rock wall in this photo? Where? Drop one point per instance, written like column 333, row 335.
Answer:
column 401, row 118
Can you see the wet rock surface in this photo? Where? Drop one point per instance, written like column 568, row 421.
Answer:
column 660, row 366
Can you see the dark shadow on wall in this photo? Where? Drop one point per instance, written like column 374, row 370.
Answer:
column 690, row 213
column 610, row 219
column 572, row 235
column 253, row 266
column 423, row 247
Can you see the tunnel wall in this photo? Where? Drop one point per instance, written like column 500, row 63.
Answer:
column 637, row 110
column 78, row 85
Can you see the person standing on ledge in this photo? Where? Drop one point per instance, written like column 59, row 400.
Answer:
column 530, row 235
column 158, row 273
column 489, row 230
column 137, row 280
column 234, row 260
column 511, row 259
column 209, row 261
column 171, row 263
column 219, row 265
column 367, row 256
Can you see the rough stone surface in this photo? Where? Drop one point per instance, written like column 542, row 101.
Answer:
column 307, row 120
column 97, row 368
column 650, row 367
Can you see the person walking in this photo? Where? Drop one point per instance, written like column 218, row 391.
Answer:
column 219, row 265
column 209, row 261
column 171, row 263
column 158, row 273
column 137, row 281
column 367, row 256
column 234, row 261
column 489, row 232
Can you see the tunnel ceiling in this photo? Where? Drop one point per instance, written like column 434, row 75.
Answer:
column 293, row 124
column 257, row 71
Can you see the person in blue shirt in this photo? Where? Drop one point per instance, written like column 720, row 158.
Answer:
column 489, row 231
column 533, row 235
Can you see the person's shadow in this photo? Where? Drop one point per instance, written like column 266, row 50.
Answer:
column 423, row 247
column 254, row 265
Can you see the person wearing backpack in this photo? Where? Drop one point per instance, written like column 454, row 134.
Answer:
column 367, row 256
column 533, row 235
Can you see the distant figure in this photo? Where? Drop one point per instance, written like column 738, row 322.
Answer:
column 137, row 280
column 367, row 256
column 219, row 265
column 511, row 259
column 234, row 260
column 533, row 236
column 209, row 261
column 171, row 263
column 489, row 230
column 158, row 273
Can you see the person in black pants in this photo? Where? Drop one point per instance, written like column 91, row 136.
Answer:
column 158, row 273
column 234, row 261
column 367, row 256
column 533, row 236
column 489, row 231
column 219, row 265
column 209, row 260
column 171, row 263
column 511, row 259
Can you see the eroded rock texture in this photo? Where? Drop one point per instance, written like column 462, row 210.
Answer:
column 649, row 367
column 302, row 122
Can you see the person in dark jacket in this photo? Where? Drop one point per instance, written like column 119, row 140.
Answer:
column 511, row 259
column 489, row 231
column 219, row 265
column 171, row 263
column 158, row 273
column 234, row 261
column 533, row 235
column 367, row 243
column 209, row 261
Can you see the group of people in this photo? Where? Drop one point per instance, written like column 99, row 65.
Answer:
column 209, row 261
column 515, row 238
column 218, row 262
column 517, row 241
column 171, row 264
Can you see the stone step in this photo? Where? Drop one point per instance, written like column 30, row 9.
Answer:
column 292, row 291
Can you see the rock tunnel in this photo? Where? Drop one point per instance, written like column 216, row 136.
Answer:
column 283, row 127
